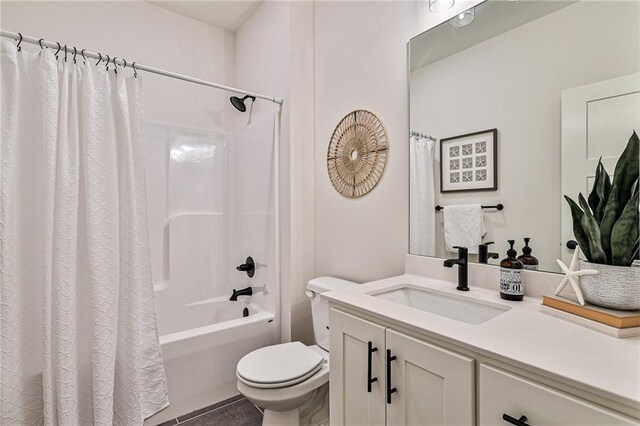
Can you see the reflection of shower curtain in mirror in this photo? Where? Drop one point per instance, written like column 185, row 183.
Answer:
column 422, row 205
column 77, row 322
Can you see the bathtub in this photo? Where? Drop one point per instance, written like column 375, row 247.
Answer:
column 201, row 347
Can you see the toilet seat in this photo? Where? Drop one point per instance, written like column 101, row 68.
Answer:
column 279, row 366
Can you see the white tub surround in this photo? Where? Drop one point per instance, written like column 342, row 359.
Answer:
column 595, row 367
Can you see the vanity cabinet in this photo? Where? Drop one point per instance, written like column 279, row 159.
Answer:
column 434, row 386
column 381, row 376
column 356, row 371
column 503, row 393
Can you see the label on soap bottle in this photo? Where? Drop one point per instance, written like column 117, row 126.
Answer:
column 511, row 281
column 531, row 267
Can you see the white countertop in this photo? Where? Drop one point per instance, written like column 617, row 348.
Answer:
column 522, row 336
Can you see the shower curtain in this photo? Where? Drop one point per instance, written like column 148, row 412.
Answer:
column 422, row 220
column 78, row 338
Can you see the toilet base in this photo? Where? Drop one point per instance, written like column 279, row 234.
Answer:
column 281, row 418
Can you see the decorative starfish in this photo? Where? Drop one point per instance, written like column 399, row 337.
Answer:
column 573, row 274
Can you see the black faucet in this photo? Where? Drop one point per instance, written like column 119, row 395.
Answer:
column 484, row 254
column 463, row 272
column 244, row 292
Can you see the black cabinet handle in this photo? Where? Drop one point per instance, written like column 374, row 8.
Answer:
column 370, row 380
column 572, row 244
column 390, row 390
column 522, row 421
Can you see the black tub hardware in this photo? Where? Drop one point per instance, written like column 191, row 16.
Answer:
column 243, row 292
column 572, row 244
column 497, row 207
column 248, row 266
column 245, row 312
column 463, row 267
column 484, row 254
column 390, row 389
column 522, row 421
column 370, row 351
column 239, row 103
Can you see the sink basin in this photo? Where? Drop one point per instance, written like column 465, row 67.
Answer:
column 457, row 308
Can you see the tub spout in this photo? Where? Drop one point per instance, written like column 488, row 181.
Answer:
column 243, row 292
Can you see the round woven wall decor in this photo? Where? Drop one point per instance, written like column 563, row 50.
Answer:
column 357, row 153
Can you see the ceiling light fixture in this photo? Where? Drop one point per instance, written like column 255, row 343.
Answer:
column 463, row 19
column 440, row 5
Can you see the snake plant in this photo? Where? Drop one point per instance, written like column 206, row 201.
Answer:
column 605, row 224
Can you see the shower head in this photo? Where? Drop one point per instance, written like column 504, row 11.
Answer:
column 239, row 103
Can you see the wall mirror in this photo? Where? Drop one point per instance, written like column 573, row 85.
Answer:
column 512, row 104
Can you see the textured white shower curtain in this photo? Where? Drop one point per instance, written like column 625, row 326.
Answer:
column 78, row 337
column 422, row 220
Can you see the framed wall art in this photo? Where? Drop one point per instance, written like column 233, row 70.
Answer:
column 469, row 162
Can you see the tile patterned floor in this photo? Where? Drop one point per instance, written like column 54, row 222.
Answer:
column 236, row 411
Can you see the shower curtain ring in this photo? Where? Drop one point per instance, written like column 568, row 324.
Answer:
column 124, row 61
column 40, row 43
column 84, row 58
column 75, row 52
column 108, row 60
column 19, row 42
column 57, row 50
column 135, row 71
column 65, row 53
column 115, row 66
column 99, row 59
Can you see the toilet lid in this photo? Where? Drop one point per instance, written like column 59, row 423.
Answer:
column 277, row 364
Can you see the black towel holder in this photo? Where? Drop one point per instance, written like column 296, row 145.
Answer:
column 497, row 207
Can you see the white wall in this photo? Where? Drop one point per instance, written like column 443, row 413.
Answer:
column 301, row 160
column 139, row 31
column 274, row 55
column 361, row 62
column 261, row 61
column 513, row 82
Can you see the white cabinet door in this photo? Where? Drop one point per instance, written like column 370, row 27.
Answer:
column 433, row 386
column 597, row 121
column 504, row 393
column 356, row 371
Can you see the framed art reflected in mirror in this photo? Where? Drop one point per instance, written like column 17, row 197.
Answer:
column 469, row 162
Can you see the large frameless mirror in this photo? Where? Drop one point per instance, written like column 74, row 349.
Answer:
column 513, row 103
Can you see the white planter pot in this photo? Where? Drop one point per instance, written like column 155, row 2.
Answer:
column 615, row 287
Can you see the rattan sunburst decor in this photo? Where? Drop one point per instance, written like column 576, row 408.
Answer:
column 357, row 153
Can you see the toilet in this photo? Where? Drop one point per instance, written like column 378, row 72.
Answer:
column 280, row 378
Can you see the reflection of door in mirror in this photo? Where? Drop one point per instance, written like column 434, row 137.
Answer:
column 597, row 121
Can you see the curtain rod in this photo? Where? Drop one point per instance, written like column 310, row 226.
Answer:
column 422, row 135
column 140, row 67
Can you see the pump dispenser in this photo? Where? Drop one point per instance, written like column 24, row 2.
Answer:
column 511, row 285
column 528, row 261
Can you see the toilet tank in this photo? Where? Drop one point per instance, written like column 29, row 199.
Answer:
column 320, row 306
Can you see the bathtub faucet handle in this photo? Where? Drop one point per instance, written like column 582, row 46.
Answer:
column 248, row 266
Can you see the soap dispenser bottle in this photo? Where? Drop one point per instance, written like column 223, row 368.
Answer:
column 528, row 261
column 511, row 285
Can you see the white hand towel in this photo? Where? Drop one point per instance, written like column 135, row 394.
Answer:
column 463, row 226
